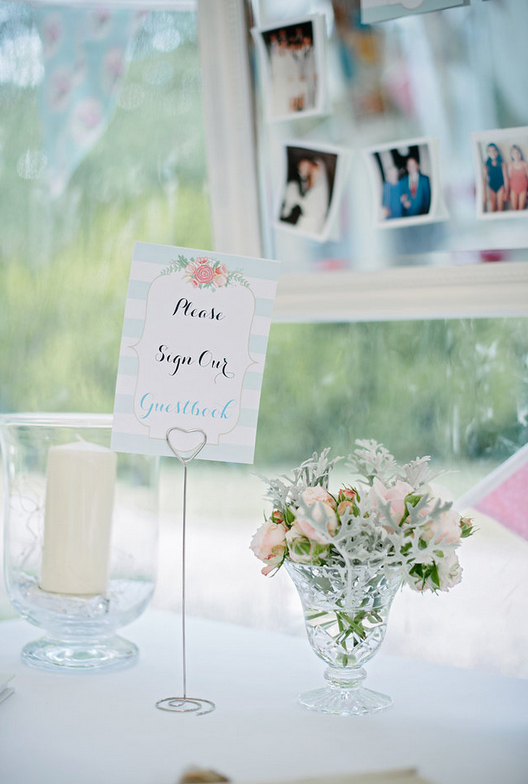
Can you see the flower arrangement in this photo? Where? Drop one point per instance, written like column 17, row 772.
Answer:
column 205, row 273
column 389, row 515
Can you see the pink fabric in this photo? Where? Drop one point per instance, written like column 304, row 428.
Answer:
column 508, row 503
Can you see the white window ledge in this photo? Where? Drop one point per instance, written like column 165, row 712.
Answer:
column 476, row 291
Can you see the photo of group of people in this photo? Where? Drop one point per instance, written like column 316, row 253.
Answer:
column 293, row 68
column 311, row 181
column 501, row 158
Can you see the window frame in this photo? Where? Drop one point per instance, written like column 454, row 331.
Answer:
column 484, row 289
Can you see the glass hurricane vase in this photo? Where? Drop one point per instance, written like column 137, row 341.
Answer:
column 345, row 614
column 80, row 537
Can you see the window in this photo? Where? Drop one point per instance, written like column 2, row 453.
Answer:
column 365, row 343
column 73, row 199
column 86, row 170
column 437, row 77
column 454, row 389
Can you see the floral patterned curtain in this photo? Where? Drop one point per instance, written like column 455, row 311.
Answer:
column 85, row 55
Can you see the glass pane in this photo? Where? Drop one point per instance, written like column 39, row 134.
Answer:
column 456, row 390
column 417, row 86
column 90, row 163
column 101, row 144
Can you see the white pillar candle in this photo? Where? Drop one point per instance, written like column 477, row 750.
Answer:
column 78, row 518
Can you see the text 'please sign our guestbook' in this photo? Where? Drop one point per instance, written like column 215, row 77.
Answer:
column 193, row 348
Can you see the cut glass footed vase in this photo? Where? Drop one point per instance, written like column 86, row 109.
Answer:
column 345, row 614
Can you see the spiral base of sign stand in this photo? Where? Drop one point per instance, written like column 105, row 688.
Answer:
column 193, row 706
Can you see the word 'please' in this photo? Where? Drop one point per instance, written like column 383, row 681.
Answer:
column 186, row 307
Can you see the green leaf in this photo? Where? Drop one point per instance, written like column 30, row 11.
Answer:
column 433, row 574
column 288, row 515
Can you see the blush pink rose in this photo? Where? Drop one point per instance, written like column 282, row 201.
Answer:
column 346, row 500
column 445, row 529
column 394, row 495
column 298, row 542
column 323, row 513
column 449, row 571
column 313, row 494
column 269, row 545
column 449, row 575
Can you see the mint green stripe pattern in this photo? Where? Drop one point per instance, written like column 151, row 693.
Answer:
column 128, row 366
column 264, row 307
column 132, row 328
column 257, row 344
column 253, row 381
column 138, row 289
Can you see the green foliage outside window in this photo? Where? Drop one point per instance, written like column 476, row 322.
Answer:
column 455, row 389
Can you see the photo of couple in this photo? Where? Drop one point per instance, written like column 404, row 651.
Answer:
column 291, row 56
column 309, row 190
column 404, row 178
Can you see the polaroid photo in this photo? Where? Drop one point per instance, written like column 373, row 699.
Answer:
column 373, row 11
column 292, row 57
column 405, row 179
column 501, row 170
column 311, row 189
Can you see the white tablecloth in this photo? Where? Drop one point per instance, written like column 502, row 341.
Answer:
column 456, row 726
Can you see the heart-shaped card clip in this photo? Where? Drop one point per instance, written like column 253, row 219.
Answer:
column 186, row 444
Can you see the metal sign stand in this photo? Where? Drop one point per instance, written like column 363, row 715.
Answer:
column 185, row 704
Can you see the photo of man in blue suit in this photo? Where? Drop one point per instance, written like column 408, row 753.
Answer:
column 415, row 190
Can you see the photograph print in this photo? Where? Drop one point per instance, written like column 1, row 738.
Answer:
column 501, row 170
column 373, row 11
column 292, row 67
column 405, row 183
column 310, row 190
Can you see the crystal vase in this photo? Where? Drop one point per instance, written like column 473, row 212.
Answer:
column 80, row 537
column 345, row 614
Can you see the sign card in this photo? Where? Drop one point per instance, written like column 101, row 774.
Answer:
column 193, row 348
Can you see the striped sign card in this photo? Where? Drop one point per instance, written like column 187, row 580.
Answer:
column 194, row 342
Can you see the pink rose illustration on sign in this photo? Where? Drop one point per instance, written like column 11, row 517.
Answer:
column 220, row 276
column 204, row 272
